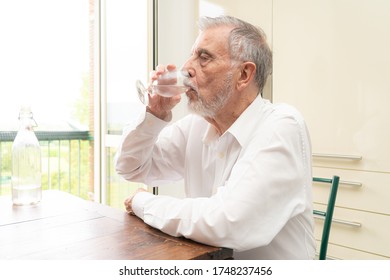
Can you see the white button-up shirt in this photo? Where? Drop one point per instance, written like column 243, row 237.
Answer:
column 248, row 189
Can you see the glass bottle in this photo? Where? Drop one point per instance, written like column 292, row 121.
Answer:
column 26, row 162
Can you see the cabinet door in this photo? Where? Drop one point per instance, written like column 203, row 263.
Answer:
column 345, row 253
column 358, row 230
column 331, row 61
column 359, row 190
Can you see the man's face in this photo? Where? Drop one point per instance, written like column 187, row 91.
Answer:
column 211, row 72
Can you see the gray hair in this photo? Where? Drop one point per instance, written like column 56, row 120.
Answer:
column 246, row 43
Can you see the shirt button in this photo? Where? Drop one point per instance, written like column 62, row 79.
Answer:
column 221, row 154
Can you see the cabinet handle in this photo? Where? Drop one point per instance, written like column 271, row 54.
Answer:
column 342, row 222
column 346, row 157
column 351, row 183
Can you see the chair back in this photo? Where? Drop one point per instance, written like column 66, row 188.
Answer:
column 328, row 213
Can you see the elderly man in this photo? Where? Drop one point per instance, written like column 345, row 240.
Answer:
column 246, row 163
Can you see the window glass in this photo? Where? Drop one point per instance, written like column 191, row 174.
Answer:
column 125, row 55
column 126, row 60
column 44, row 54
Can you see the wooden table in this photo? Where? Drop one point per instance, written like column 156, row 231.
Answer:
column 63, row 226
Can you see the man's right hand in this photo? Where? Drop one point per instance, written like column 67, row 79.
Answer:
column 160, row 106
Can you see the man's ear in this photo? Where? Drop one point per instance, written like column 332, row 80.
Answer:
column 246, row 75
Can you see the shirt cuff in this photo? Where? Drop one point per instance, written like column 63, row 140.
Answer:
column 138, row 203
column 148, row 121
column 150, row 124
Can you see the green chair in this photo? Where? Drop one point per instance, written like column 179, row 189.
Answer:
column 328, row 214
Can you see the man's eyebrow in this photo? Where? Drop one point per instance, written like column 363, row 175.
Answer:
column 201, row 51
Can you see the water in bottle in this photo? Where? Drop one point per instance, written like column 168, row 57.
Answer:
column 26, row 162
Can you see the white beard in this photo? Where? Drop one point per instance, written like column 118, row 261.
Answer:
column 209, row 109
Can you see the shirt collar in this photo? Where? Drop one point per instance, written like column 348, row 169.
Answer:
column 242, row 127
column 211, row 135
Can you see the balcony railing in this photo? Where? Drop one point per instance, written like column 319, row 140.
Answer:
column 67, row 161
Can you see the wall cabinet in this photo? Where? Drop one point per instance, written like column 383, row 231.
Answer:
column 331, row 61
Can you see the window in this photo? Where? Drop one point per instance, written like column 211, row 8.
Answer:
column 45, row 63
column 76, row 63
column 125, row 58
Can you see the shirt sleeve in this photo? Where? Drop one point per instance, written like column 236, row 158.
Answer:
column 141, row 155
column 268, row 186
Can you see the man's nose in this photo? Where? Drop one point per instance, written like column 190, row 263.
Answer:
column 189, row 68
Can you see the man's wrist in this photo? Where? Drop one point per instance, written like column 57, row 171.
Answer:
column 163, row 115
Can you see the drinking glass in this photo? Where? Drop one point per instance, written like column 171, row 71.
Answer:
column 168, row 84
